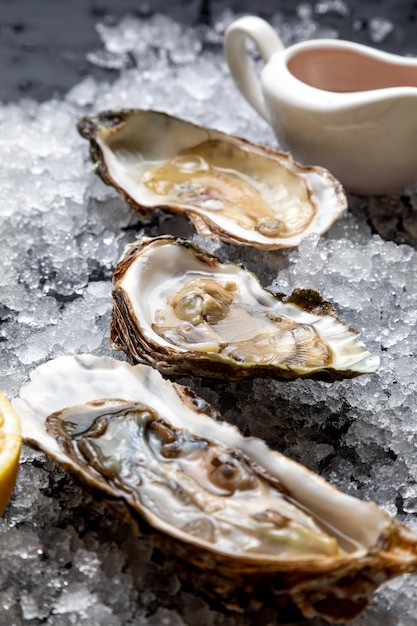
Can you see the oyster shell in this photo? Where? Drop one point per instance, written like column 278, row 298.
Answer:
column 227, row 187
column 180, row 310
column 255, row 525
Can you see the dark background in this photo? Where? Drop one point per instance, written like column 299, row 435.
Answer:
column 43, row 43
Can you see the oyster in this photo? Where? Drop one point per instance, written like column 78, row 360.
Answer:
column 182, row 311
column 256, row 526
column 227, row 187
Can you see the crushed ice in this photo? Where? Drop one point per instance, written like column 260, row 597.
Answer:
column 62, row 231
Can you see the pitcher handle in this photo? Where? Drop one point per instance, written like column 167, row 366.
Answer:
column 266, row 40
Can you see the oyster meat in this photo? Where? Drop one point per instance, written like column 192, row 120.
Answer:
column 180, row 310
column 255, row 525
column 226, row 186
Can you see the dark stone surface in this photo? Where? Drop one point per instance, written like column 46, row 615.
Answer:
column 43, row 44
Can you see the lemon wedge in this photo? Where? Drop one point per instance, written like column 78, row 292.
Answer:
column 10, row 442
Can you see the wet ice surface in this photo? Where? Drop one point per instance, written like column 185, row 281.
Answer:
column 66, row 557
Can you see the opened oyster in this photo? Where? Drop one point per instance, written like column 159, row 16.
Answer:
column 257, row 526
column 182, row 311
column 226, row 186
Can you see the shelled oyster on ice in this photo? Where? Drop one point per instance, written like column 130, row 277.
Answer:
column 226, row 186
column 255, row 526
column 180, row 310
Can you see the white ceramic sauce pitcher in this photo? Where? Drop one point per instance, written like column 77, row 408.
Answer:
column 348, row 107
